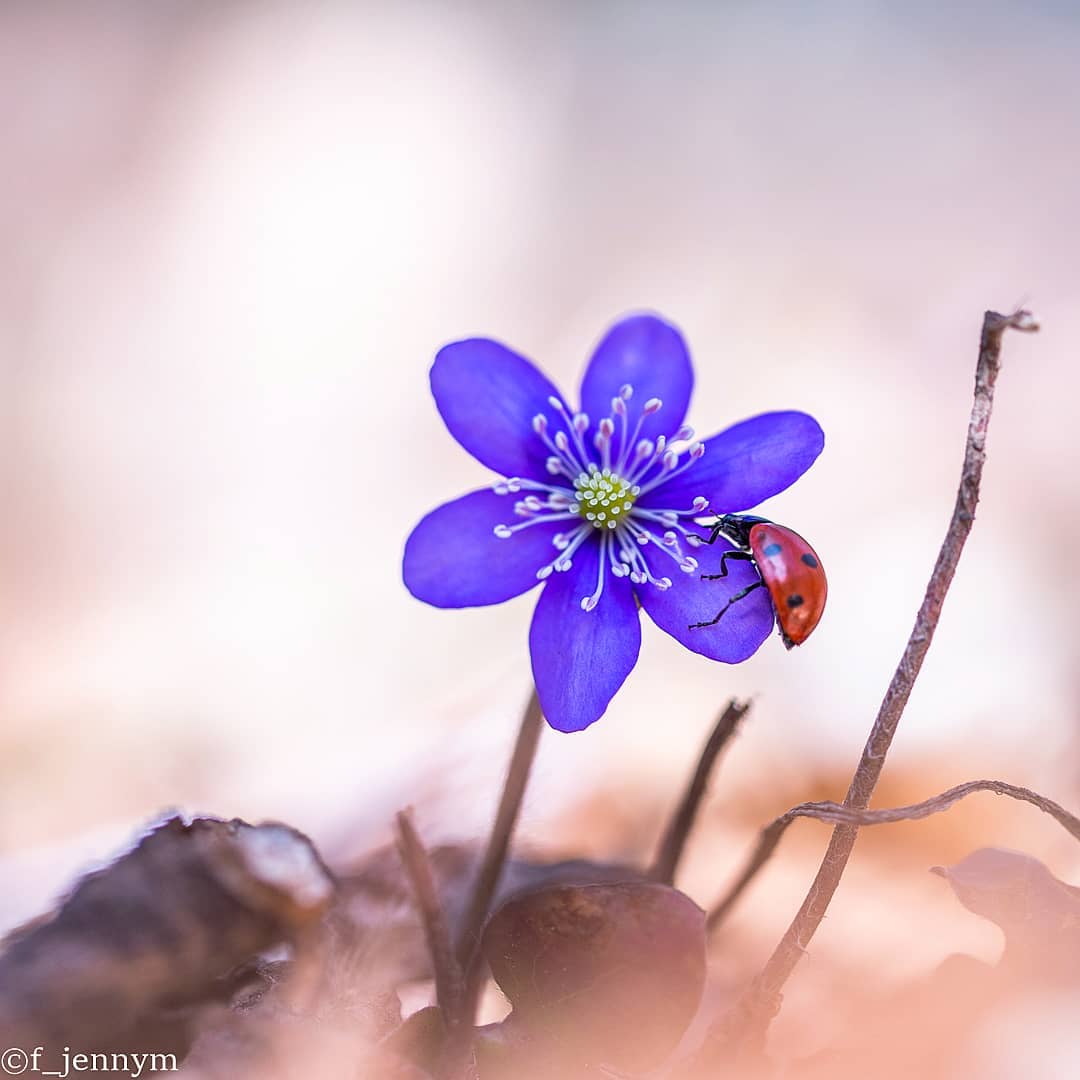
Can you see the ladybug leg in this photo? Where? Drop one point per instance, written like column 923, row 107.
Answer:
column 734, row 600
column 741, row 556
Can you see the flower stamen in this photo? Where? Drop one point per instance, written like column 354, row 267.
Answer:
column 576, row 425
column 504, row 532
column 559, row 447
column 652, row 406
column 648, row 454
column 590, row 602
column 597, row 482
column 563, row 561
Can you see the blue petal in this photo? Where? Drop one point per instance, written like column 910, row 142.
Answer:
column 746, row 464
column 488, row 396
column 581, row 658
column 743, row 627
column 650, row 355
column 453, row 559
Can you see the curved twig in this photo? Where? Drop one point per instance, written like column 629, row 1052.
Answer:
column 838, row 814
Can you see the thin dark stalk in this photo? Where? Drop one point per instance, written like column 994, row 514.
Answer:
column 675, row 835
column 839, row 814
column 761, row 1001
column 768, row 840
column 449, row 984
column 487, row 878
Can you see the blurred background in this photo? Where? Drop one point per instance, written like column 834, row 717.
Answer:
column 232, row 237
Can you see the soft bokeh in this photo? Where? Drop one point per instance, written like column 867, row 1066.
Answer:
column 234, row 235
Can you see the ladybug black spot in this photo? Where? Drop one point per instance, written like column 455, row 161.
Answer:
column 810, row 560
column 771, row 549
column 795, row 600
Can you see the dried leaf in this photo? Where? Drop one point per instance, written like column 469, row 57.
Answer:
column 137, row 944
column 1039, row 914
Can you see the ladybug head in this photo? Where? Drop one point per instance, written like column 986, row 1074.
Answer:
column 736, row 527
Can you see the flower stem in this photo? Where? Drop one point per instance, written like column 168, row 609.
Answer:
column 762, row 1000
column 487, row 878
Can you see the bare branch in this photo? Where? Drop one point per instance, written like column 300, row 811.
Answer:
column 675, row 836
column 760, row 1002
column 838, row 814
column 768, row 840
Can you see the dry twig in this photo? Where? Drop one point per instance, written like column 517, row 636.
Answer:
column 449, row 982
column 449, row 986
column 675, row 836
column 761, row 1001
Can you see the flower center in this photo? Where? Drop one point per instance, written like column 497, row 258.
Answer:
column 600, row 492
column 603, row 497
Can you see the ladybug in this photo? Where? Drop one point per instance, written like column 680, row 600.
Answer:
column 787, row 566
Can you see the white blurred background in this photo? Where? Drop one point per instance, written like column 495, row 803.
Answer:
column 232, row 237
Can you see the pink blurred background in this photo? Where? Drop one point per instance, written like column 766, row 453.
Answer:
column 232, row 237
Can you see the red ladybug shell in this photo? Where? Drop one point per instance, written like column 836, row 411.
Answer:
column 792, row 573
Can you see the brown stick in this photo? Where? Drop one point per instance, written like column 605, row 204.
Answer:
column 449, row 984
column 678, row 830
column 768, row 840
column 450, row 991
column 487, row 878
column 761, row 1001
column 838, row 814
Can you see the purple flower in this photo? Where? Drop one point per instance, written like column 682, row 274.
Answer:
column 599, row 506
